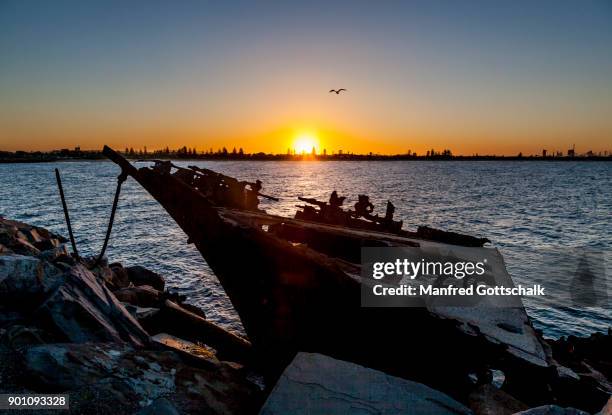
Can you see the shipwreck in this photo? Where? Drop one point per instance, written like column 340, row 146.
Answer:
column 295, row 284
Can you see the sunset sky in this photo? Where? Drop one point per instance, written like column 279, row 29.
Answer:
column 473, row 76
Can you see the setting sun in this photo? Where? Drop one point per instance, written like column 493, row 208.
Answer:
column 305, row 142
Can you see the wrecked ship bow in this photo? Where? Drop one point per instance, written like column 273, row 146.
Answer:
column 296, row 286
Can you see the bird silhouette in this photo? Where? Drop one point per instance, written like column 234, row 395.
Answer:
column 337, row 91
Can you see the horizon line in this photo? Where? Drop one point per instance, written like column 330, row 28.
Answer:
column 237, row 152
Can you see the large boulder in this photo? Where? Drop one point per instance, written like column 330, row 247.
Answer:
column 119, row 278
column 17, row 243
column 57, row 254
column 316, row 384
column 82, row 310
column 25, row 239
column 25, row 280
column 142, row 296
column 131, row 379
column 141, row 276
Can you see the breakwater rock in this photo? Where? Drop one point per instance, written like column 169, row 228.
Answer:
column 118, row 342
column 72, row 326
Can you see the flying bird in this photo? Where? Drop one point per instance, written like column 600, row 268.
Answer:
column 337, row 91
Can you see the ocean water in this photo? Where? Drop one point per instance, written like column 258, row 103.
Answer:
column 540, row 215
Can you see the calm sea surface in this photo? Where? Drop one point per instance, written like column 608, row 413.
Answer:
column 539, row 214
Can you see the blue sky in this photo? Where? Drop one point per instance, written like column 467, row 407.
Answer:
column 478, row 76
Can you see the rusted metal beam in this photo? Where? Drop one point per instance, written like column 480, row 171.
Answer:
column 66, row 214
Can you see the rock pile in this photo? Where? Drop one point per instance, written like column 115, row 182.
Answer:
column 118, row 342
column 103, row 334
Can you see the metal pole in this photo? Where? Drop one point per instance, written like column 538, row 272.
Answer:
column 122, row 177
column 66, row 215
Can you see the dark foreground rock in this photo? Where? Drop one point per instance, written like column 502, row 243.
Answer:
column 63, row 329
column 84, row 310
column 142, row 296
column 18, row 336
column 26, row 280
column 315, row 384
column 132, row 379
column 141, row 276
column 21, row 238
column 119, row 277
column 489, row 400
column 584, row 382
column 585, row 354
column 77, row 326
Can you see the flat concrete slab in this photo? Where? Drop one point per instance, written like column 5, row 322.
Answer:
column 315, row 384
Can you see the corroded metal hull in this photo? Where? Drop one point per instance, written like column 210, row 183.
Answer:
column 293, row 293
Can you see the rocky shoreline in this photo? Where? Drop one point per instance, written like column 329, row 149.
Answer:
column 104, row 334
column 118, row 342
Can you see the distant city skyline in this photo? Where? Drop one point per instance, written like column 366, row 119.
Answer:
column 322, row 150
column 229, row 152
column 475, row 77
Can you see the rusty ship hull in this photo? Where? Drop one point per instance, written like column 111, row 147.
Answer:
column 296, row 287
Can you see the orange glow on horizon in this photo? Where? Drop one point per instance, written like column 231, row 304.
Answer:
column 299, row 135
